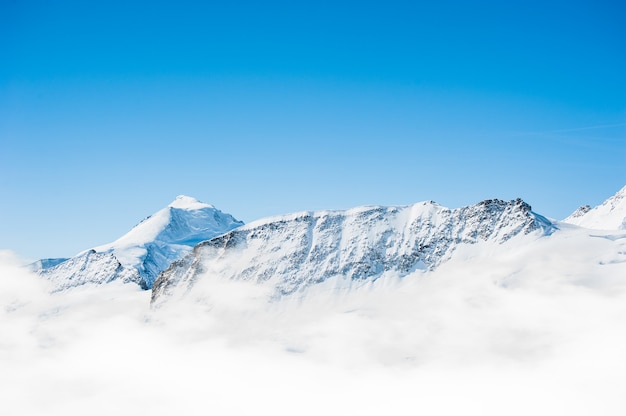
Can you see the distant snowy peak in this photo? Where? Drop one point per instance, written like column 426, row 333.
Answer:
column 292, row 252
column 183, row 218
column 188, row 203
column 169, row 234
column 610, row 215
column 153, row 244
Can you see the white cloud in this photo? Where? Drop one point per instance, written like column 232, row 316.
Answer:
column 534, row 330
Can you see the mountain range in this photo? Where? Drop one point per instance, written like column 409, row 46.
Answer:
column 187, row 241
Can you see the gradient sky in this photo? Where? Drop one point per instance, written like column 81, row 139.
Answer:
column 110, row 110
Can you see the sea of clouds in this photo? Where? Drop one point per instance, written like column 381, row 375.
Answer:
column 535, row 329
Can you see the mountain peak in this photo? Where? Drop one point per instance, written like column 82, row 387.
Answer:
column 149, row 247
column 188, row 203
column 610, row 215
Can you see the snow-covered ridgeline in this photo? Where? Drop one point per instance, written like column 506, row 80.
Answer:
column 89, row 267
column 294, row 251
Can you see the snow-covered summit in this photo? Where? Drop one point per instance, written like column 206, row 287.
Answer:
column 184, row 221
column 188, row 203
column 610, row 215
column 153, row 244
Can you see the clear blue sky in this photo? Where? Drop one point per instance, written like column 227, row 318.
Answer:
column 108, row 110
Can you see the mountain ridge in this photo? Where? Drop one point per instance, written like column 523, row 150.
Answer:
column 297, row 250
column 170, row 250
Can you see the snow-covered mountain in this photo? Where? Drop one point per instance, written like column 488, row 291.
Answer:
column 292, row 252
column 89, row 267
column 610, row 215
column 146, row 250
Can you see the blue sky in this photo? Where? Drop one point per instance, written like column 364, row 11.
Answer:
column 110, row 110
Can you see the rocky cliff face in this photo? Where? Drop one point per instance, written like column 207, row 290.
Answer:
column 295, row 251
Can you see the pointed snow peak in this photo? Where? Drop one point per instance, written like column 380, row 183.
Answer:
column 188, row 203
column 167, row 235
column 610, row 215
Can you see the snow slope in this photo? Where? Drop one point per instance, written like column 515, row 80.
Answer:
column 146, row 250
column 295, row 251
column 610, row 215
column 89, row 267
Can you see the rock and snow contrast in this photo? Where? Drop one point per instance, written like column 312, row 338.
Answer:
column 491, row 304
column 610, row 215
column 146, row 250
column 89, row 267
column 293, row 252
column 188, row 240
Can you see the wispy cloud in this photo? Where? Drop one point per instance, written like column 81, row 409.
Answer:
column 559, row 133
column 593, row 127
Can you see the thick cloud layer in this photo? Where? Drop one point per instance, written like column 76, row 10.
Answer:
column 534, row 329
